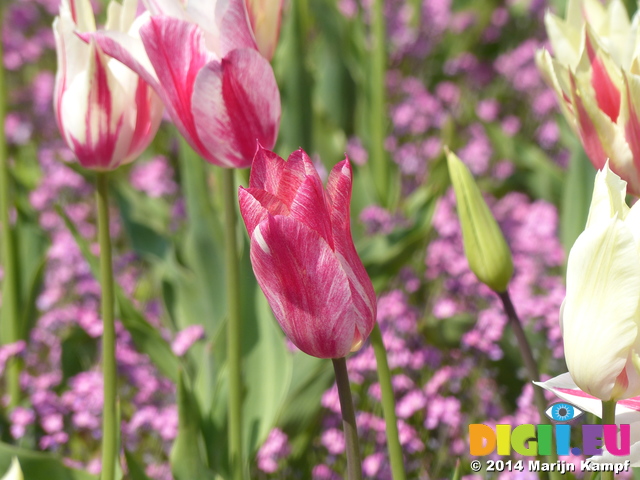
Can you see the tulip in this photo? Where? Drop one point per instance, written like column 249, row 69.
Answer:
column 486, row 249
column 627, row 413
column 303, row 255
column 204, row 64
column 106, row 113
column 14, row 472
column 265, row 21
column 595, row 72
column 600, row 314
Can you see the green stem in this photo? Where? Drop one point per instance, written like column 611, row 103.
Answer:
column 233, row 326
column 354, row 465
column 9, row 256
column 109, row 409
column 388, row 405
column 608, row 418
column 380, row 166
column 530, row 364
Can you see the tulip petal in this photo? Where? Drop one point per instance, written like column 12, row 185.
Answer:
column 120, row 17
column 130, row 51
column 606, row 91
column 305, row 285
column 271, row 173
column 608, row 200
column 265, row 18
column 14, row 472
column 627, row 412
column 631, row 123
column 235, row 26
column 236, row 105
column 82, row 14
column 309, row 208
column 587, row 129
column 339, row 188
column 256, row 204
column 565, row 39
column 603, row 294
column 148, row 117
column 171, row 8
column 557, row 76
column 94, row 112
column 176, row 51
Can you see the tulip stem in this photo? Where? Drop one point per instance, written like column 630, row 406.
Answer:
column 233, row 326
column 109, row 412
column 388, row 405
column 380, row 164
column 530, row 364
column 608, row 418
column 9, row 257
column 354, row 465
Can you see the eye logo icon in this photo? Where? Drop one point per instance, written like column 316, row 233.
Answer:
column 563, row 412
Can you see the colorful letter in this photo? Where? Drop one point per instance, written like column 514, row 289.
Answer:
column 544, row 439
column 563, row 438
column 592, row 439
column 482, row 440
column 610, row 439
column 523, row 440
column 504, row 433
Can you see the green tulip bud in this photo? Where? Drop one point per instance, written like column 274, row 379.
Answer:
column 486, row 250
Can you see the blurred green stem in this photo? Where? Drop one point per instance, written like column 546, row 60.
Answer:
column 378, row 160
column 109, row 413
column 233, row 325
column 388, row 405
column 354, row 464
column 608, row 418
column 530, row 364
column 9, row 257
column 297, row 83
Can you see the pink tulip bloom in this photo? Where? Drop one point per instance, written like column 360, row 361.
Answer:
column 265, row 16
column 105, row 112
column 203, row 62
column 303, row 255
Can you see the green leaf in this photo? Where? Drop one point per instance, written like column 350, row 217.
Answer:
column 456, row 472
column 140, row 216
column 136, row 471
column 188, row 454
column 311, row 377
column 576, row 197
column 268, row 367
column 146, row 338
column 36, row 465
column 203, row 247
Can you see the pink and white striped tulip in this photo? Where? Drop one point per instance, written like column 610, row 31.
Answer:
column 265, row 16
column 595, row 72
column 202, row 60
column 303, row 255
column 106, row 113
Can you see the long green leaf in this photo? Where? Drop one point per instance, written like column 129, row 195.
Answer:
column 187, row 455
column 36, row 465
column 576, row 197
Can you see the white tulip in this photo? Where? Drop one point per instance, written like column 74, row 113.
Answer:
column 601, row 312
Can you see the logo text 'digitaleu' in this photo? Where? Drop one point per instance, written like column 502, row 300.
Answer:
column 531, row 440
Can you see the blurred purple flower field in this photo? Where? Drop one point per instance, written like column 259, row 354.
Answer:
column 461, row 74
